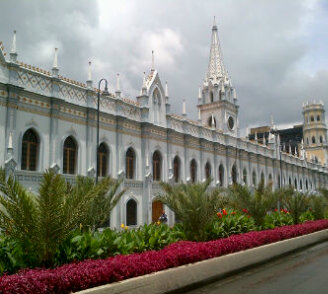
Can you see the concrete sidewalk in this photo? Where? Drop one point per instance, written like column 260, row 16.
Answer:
column 208, row 270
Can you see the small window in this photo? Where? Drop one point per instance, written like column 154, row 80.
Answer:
column 312, row 118
column 307, row 141
column 254, row 178
column 207, row 170
column 70, row 153
column 176, row 169
column 157, row 165
column 103, row 160
column 131, row 213
column 234, row 174
column 221, row 175
column 313, row 140
column 211, row 96
column 130, row 163
column 245, row 176
column 193, row 171
column 321, row 139
column 30, row 150
column 318, row 118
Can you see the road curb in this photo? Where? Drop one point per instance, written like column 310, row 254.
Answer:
column 191, row 274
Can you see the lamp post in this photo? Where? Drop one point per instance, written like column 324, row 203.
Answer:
column 98, row 110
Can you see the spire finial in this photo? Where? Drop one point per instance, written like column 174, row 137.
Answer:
column 118, row 86
column 184, row 113
column 13, row 53
column 89, row 81
column 89, row 72
column 152, row 60
column 144, row 85
column 55, row 65
column 13, row 47
column 199, row 93
column 199, row 115
column 166, row 90
column 214, row 24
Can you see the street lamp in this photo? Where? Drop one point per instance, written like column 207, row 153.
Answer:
column 98, row 107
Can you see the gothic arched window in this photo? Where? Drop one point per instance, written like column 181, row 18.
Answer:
column 157, row 164
column 30, row 150
column 221, row 175
column 318, row 118
column 103, row 156
column 193, row 171
column 130, row 163
column 295, row 183
column 176, row 169
column 70, row 154
column 131, row 213
column 313, row 140
column 321, row 139
column 312, row 118
column 262, row 177
column 208, row 170
column 234, row 174
column 301, row 185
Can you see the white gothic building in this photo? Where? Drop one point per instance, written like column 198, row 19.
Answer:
column 48, row 121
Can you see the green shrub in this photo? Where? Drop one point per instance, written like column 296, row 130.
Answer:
column 277, row 219
column 229, row 222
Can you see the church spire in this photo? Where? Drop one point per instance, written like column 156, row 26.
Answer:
column 216, row 67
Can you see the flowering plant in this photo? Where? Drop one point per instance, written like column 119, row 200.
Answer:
column 91, row 273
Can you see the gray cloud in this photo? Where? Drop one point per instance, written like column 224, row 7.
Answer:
column 274, row 50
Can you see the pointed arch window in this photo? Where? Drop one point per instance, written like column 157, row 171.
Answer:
column 295, row 183
column 270, row 178
column 208, row 170
column 221, row 175
column 157, row 164
column 131, row 213
column 193, row 171
column 313, row 140
column 30, row 150
column 69, row 158
column 103, row 156
column 176, row 169
column 234, row 174
column 321, row 139
column 211, row 96
column 301, row 185
column 130, row 163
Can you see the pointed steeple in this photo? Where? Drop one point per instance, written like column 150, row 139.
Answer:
column 118, row 86
column 216, row 69
column 13, row 53
column 55, row 64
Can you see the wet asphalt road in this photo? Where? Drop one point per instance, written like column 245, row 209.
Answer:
column 303, row 272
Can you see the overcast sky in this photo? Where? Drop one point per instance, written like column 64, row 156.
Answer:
column 276, row 51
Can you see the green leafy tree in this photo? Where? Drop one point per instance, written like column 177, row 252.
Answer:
column 40, row 223
column 195, row 205
column 257, row 202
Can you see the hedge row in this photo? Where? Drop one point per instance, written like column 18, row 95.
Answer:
column 90, row 273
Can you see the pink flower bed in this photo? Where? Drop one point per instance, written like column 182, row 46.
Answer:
column 90, row 273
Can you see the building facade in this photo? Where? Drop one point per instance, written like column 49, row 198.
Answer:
column 48, row 121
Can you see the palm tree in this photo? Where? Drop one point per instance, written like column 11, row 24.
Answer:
column 194, row 205
column 257, row 202
column 40, row 223
column 295, row 202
